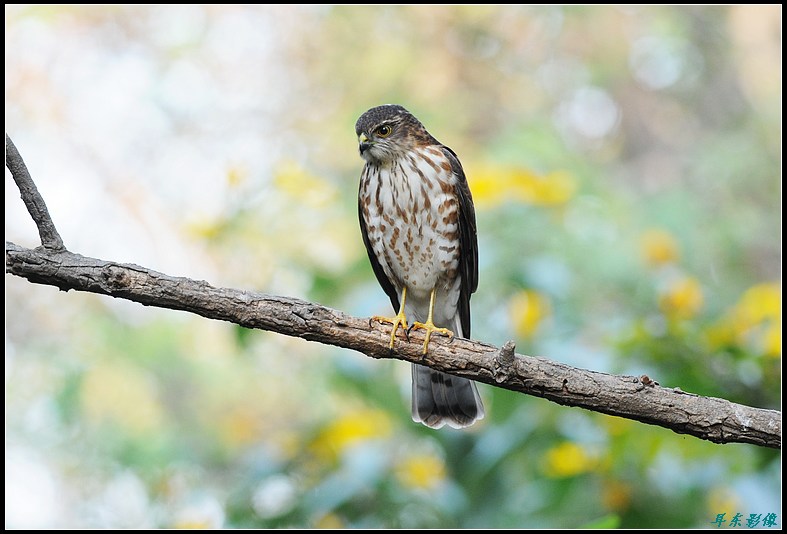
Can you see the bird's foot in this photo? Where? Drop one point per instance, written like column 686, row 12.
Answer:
column 395, row 322
column 430, row 328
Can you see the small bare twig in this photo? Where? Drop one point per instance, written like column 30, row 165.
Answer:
column 32, row 198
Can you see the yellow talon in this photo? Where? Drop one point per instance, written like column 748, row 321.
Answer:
column 429, row 325
column 396, row 322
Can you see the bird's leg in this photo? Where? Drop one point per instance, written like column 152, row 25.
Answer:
column 396, row 322
column 429, row 324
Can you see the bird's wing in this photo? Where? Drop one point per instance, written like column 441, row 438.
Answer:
column 468, row 241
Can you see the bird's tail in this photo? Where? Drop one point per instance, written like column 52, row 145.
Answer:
column 440, row 399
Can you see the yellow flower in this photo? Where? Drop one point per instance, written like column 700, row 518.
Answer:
column 682, row 299
column 236, row 176
column 722, row 501
column 753, row 322
column 349, row 430
column 528, row 310
column 554, row 189
column 721, row 334
column 659, row 247
column 616, row 426
column 206, row 513
column 568, row 460
column 773, row 341
column 330, row 521
column 195, row 524
column 760, row 303
column 291, row 178
column 495, row 185
column 421, row 472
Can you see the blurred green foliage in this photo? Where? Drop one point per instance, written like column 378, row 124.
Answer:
column 625, row 165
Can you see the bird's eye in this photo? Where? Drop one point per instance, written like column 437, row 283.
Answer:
column 384, row 131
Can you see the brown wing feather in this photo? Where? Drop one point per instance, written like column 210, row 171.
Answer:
column 468, row 241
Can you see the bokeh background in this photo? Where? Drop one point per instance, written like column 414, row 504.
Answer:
column 625, row 165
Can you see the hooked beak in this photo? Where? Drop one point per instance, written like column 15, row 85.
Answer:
column 364, row 143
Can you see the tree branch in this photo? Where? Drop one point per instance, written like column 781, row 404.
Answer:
column 641, row 399
column 31, row 197
column 708, row 418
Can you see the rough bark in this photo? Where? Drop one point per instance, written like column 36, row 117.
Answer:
column 33, row 200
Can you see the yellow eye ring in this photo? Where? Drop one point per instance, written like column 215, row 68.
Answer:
column 384, row 131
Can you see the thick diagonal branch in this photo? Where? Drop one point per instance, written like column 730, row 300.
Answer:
column 708, row 418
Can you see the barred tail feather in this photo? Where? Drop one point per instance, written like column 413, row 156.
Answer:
column 440, row 398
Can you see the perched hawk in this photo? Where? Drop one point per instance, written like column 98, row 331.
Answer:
column 418, row 225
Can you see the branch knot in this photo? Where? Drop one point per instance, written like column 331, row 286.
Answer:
column 505, row 361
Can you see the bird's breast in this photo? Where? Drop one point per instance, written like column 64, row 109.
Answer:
column 411, row 213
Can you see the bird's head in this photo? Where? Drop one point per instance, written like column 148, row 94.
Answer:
column 386, row 133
